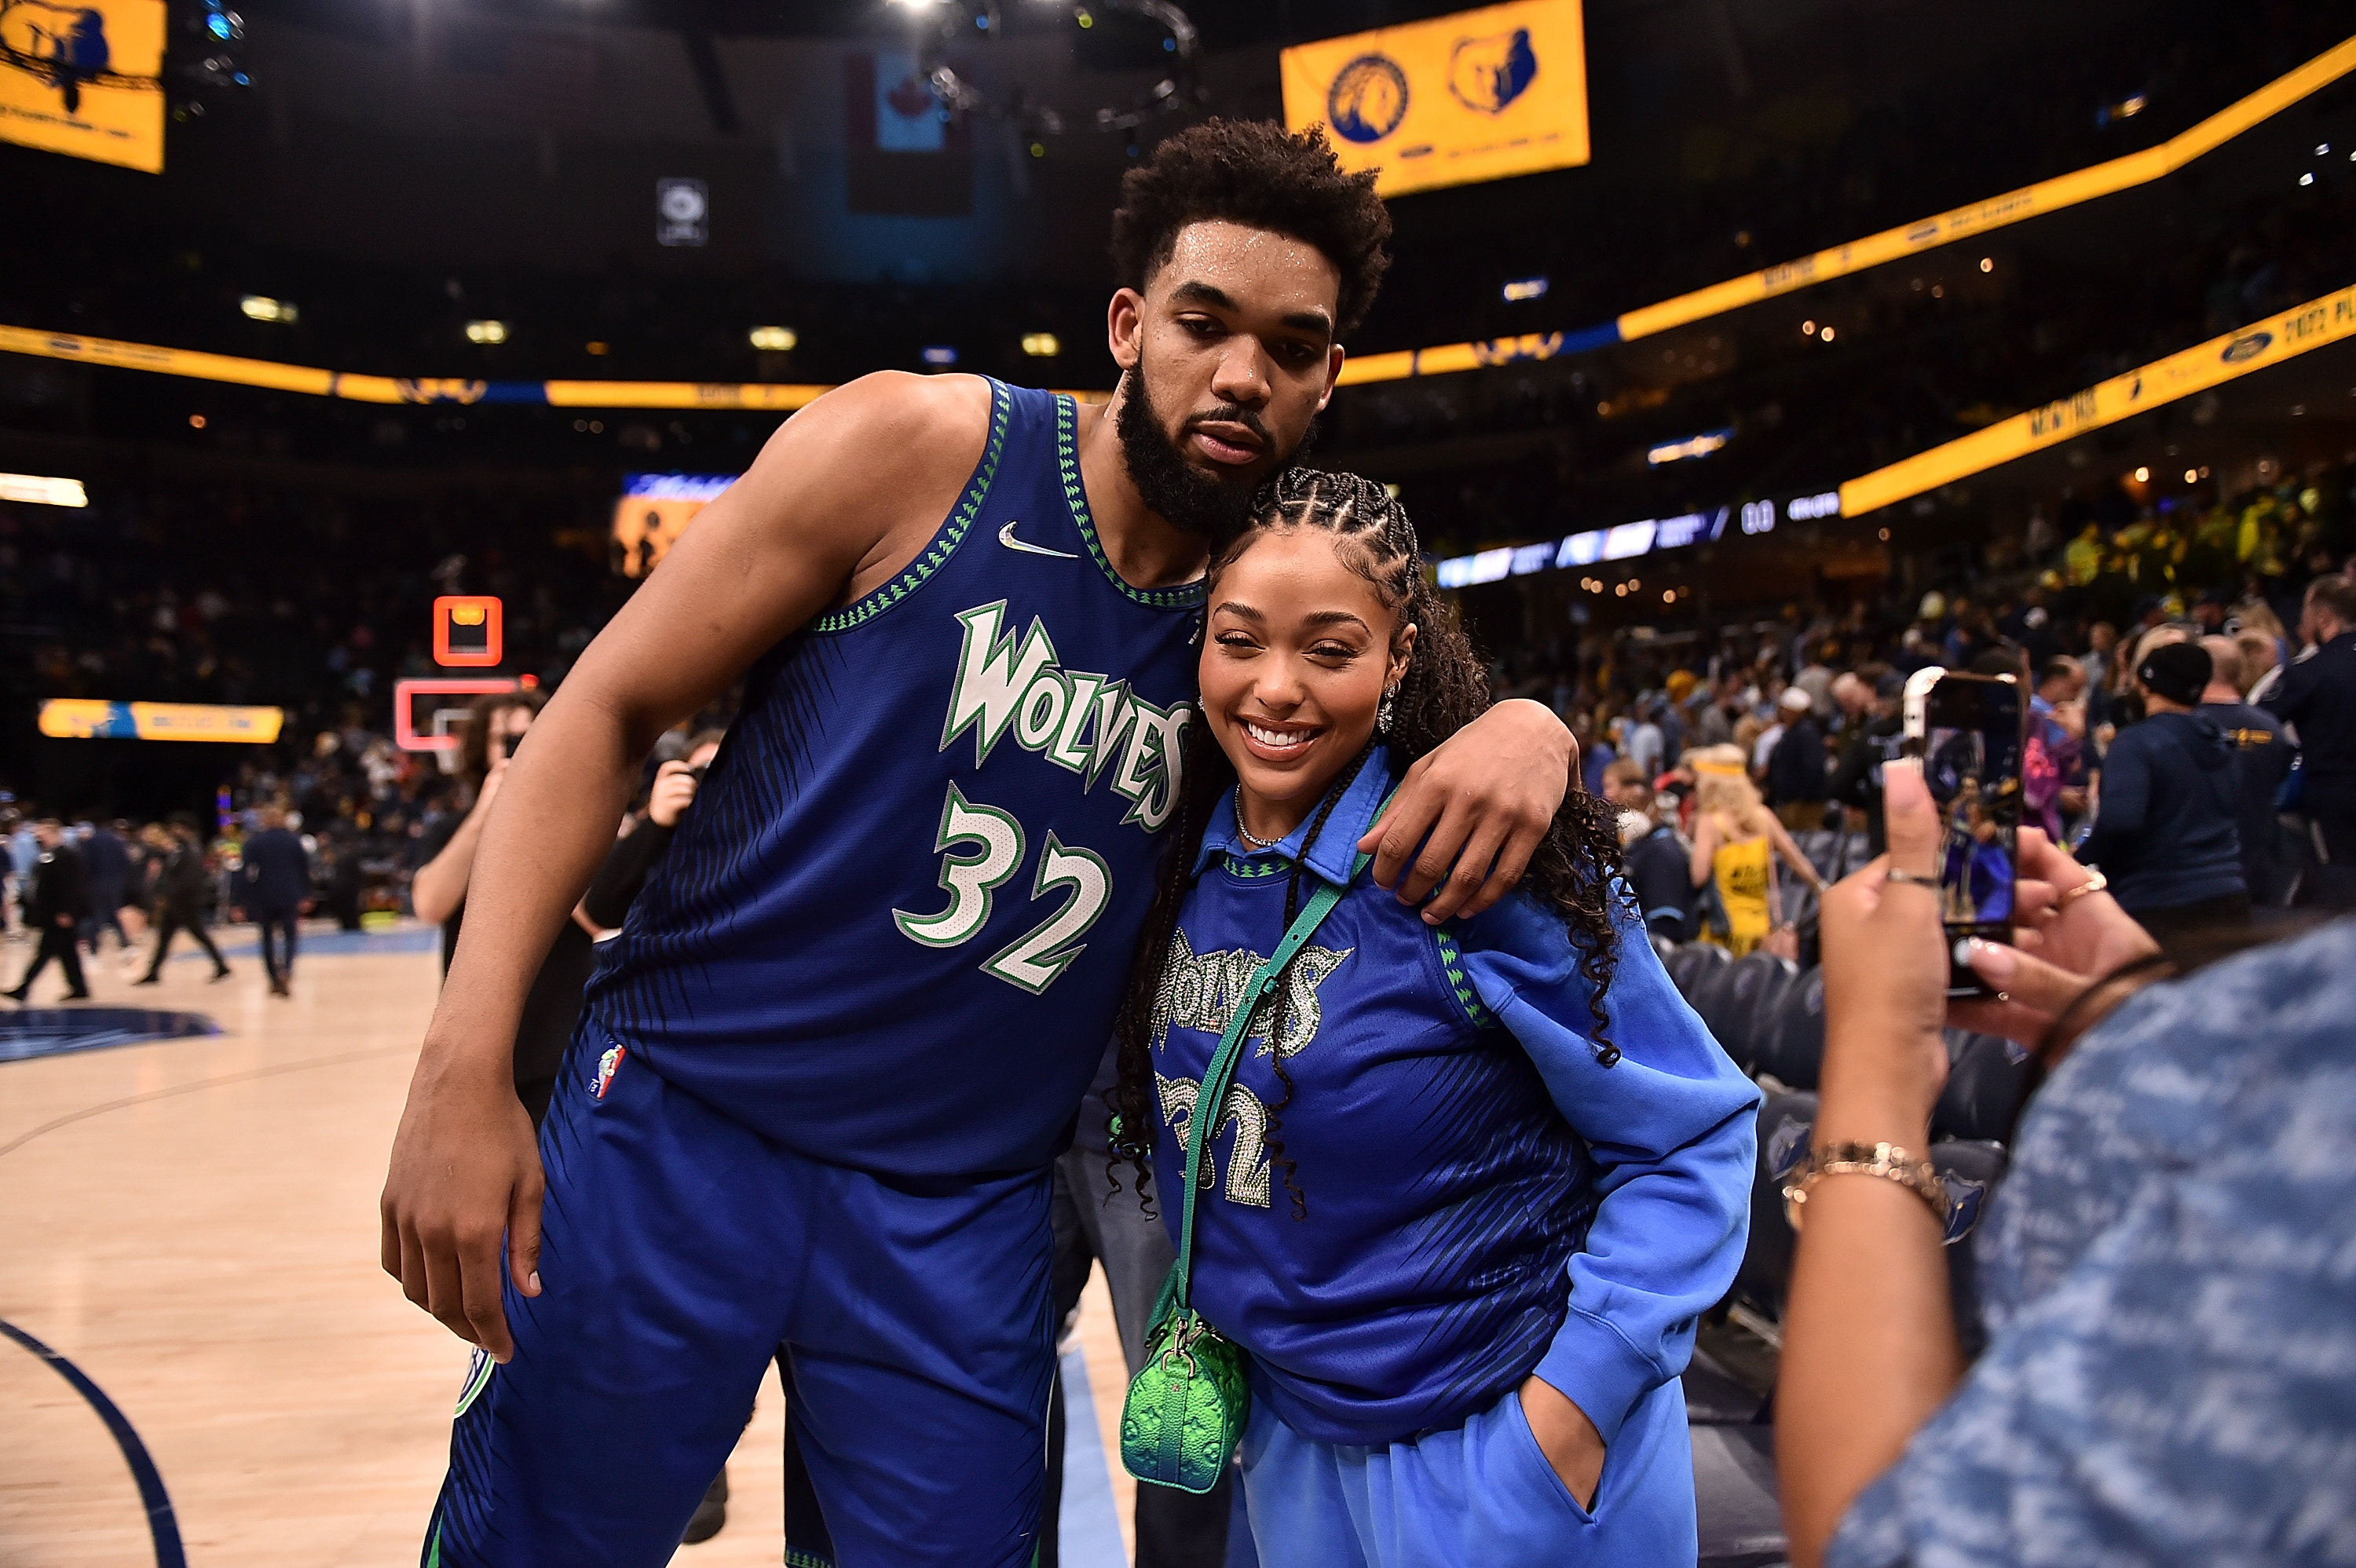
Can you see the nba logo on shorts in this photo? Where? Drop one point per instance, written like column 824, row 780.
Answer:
column 606, row 1066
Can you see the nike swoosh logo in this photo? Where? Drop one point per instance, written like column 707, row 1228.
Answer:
column 1006, row 536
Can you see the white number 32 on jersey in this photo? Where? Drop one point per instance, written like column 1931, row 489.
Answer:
column 981, row 848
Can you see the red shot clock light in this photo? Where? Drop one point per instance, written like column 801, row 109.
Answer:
column 468, row 631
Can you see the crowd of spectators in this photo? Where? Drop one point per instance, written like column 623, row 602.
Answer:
column 2192, row 711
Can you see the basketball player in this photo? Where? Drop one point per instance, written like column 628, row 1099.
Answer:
column 822, row 1074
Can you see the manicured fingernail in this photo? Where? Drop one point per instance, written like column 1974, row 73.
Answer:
column 1993, row 961
column 535, row 1282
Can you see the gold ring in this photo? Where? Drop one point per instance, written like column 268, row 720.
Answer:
column 2094, row 883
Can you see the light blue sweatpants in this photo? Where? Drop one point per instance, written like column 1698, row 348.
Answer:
column 1481, row 1494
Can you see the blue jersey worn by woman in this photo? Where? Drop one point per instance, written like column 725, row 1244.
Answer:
column 1484, row 1198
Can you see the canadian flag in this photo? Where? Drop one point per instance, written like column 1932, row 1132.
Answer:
column 890, row 108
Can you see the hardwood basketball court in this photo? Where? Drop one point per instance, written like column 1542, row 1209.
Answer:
column 191, row 1223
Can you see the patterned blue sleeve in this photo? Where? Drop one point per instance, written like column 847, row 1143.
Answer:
column 2168, row 1270
column 1673, row 1133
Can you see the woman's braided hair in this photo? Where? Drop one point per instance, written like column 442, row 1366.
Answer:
column 1444, row 689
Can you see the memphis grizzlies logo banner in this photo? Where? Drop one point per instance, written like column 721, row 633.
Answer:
column 84, row 78
column 1481, row 95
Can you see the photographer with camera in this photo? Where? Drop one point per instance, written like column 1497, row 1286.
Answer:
column 616, row 884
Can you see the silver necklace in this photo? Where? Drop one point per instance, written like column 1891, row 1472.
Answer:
column 1252, row 839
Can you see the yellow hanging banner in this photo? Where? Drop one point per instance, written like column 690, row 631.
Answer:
column 2225, row 358
column 87, row 719
column 84, row 78
column 1481, row 95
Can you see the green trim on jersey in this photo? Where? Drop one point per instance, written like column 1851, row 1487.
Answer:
column 1067, row 460
column 1238, row 867
column 1451, row 964
column 946, row 541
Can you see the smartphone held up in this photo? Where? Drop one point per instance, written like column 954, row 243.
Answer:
column 1970, row 732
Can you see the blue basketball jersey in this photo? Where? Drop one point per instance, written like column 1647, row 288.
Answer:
column 891, row 932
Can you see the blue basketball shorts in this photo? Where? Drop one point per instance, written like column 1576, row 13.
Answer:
column 681, row 1251
column 1481, row 1494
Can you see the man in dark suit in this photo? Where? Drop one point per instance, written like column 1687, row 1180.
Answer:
column 57, row 900
column 277, row 884
column 107, row 864
column 179, row 899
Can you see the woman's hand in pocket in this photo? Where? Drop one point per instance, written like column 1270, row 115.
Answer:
column 1567, row 1438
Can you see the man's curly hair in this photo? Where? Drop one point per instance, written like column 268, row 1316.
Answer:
column 1256, row 173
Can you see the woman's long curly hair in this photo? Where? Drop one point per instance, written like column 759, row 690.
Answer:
column 1445, row 688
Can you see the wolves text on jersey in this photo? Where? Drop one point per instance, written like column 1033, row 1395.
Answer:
column 1199, row 990
column 1004, row 684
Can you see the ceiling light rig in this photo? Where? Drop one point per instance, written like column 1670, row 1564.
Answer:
column 956, row 22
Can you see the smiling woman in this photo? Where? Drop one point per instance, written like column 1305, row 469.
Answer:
column 1446, row 1087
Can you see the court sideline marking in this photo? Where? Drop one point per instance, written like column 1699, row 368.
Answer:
column 13, row 1145
column 163, row 1526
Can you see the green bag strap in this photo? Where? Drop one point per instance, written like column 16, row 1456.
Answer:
column 1221, row 1074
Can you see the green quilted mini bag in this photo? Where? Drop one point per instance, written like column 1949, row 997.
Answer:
column 1188, row 1405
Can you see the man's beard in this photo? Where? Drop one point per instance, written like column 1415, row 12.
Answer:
column 1180, row 493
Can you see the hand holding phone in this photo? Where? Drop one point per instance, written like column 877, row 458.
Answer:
column 1970, row 732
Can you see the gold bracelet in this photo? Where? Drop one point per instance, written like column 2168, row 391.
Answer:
column 1886, row 1160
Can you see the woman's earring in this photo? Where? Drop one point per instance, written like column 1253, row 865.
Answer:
column 1382, row 714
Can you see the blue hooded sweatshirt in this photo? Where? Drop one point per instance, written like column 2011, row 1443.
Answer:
column 1484, row 1198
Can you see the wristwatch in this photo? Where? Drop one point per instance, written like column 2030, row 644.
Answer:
column 1886, row 1160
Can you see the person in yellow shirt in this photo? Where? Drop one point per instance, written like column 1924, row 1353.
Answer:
column 1736, row 843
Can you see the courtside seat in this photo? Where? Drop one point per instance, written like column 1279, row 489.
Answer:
column 1791, row 1040
column 1985, row 1075
column 1692, row 960
column 1716, row 1397
column 1738, row 1009
column 1971, row 1170
column 1784, row 1121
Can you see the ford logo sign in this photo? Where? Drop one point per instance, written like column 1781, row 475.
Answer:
column 2249, row 345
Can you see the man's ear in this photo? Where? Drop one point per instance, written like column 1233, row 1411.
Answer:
column 1125, row 327
column 1334, row 358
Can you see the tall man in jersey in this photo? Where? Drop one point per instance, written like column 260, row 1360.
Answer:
column 822, row 1073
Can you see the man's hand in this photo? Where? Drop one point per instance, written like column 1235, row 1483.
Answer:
column 491, row 786
column 1569, row 1438
column 1479, row 807
column 465, row 1175
column 673, row 792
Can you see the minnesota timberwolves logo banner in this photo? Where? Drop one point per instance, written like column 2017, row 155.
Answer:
column 84, row 77
column 1480, row 95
